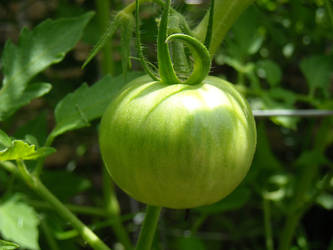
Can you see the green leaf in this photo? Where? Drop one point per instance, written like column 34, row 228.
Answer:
column 36, row 50
column 234, row 201
column 86, row 103
column 24, row 151
column 19, row 223
column 270, row 71
column 31, row 92
column 6, row 245
column 318, row 71
column 5, row 139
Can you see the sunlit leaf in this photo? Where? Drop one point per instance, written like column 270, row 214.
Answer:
column 6, row 245
column 21, row 150
column 19, row 223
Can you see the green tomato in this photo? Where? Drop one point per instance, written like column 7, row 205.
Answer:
column 178, row 146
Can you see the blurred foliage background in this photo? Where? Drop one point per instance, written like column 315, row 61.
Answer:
column 280, row 56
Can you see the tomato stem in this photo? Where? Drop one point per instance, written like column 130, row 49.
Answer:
column 210, row 24
column 36, row 185
column 167, row 72
column 103, row 15
column 200, row 53
column 148, row 229
column 143, row 60
column 268, row 224
column 113, row 211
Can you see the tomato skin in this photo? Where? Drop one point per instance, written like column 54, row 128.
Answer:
column 178, row 146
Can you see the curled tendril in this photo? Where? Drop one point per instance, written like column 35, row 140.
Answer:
column 200, row 53
column 201, row 58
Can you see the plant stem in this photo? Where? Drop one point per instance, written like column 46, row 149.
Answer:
column 225, row 14
column 296, row 213
column 36, row 185
column 268, row 224
column 69, row 234
column 130, row 8
column 40, row 162
column 113, row 211
column 88, row 235
column 198, row 223
column 301, row 203
column 107, row 66
column 139, row 48
column 148, row 229
column 86, row 210
column 210, row 24
column 167, row 73
column 103, row 15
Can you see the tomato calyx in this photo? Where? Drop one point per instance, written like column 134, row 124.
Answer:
column 201, row 56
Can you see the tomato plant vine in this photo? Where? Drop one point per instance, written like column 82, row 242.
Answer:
column 177, row 136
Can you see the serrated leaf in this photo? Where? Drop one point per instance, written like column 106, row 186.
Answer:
column 36, row 50
column 31, row 92
column 86, row 103
column 24, row 151
column 19, row 223
column 6, row 245
column 318, row 77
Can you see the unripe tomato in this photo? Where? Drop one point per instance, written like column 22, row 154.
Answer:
column 178, row 146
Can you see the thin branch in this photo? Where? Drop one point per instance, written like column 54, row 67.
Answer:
column 292, row 112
